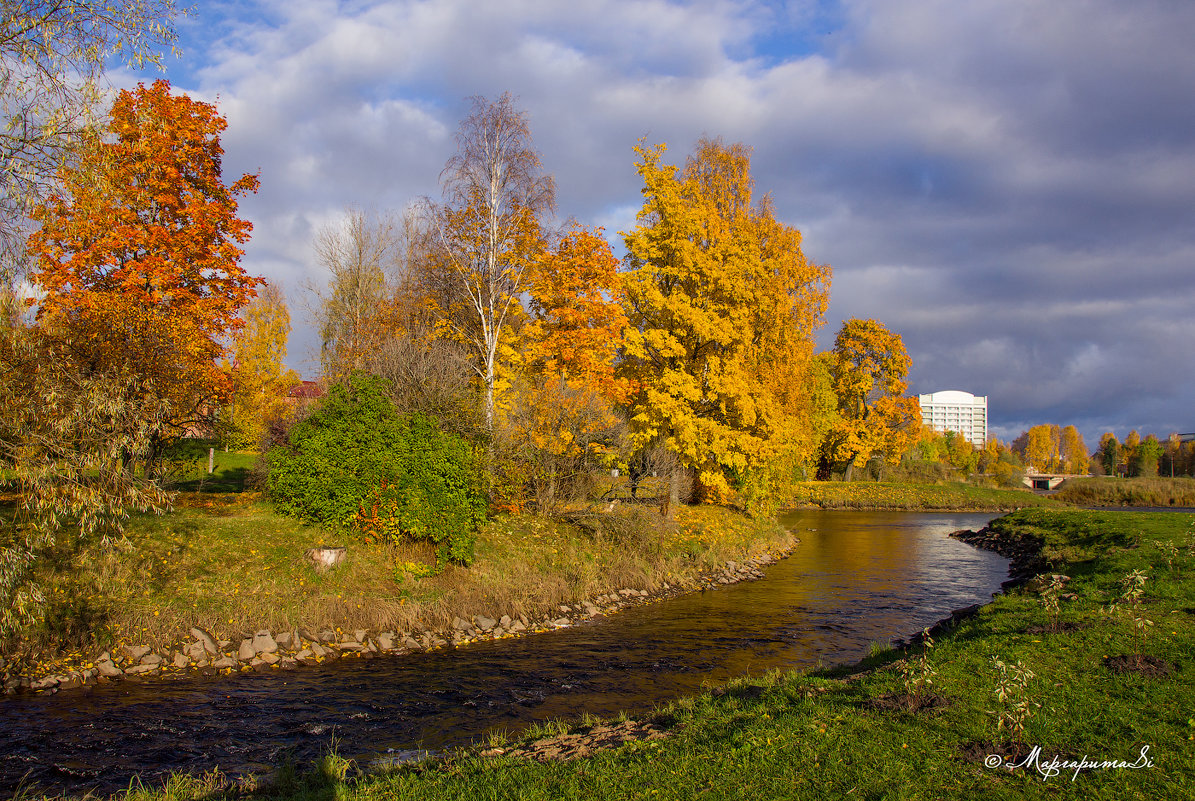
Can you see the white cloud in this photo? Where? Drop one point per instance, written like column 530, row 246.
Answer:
column 1006, row 183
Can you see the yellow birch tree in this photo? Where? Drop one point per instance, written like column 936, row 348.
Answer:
column 487, row 233
column 1075, row 458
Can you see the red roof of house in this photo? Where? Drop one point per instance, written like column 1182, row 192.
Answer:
column 306, row 389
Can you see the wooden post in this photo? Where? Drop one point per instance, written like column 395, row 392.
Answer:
column 211, row 460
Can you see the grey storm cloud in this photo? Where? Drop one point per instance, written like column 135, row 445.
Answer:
column 1008, row 184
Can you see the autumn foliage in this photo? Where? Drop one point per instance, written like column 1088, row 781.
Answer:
column 137, row 255
column 259, row 378
column 701, row 347
column 692, row 358
column 146, row 220
column 562, row 409
column 136, row 264
column 486, row 234
column 869, row 367
column 577, row 321
column 722, row 306
column 1049, row 448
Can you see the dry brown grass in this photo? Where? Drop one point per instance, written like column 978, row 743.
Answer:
column 1107, row 491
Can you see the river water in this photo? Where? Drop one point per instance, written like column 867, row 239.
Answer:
column 856, row 578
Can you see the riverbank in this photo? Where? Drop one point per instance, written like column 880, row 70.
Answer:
column 1017, row 701
column 223, row 585
column 950, row 497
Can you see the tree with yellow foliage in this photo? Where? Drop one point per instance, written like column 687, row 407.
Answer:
column 1049, row 448
column 869, row 365
column 1040, row 449
column 357, row 251
column 1073, row 450
column 722, row 306
column 259, row 378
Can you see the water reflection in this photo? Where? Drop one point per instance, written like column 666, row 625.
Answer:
column 857, row 578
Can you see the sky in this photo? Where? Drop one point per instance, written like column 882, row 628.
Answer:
column 1009, row 185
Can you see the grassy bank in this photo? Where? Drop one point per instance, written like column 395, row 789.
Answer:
column 226, row 562
column 954, row 496
column 1111, row 491
column 860, row 732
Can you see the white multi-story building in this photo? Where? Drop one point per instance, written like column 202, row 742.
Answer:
column 960, row 412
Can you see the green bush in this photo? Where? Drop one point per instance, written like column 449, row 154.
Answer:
column 357, row 464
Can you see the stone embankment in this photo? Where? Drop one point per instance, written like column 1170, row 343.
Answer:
column 271, row 650
column 1022, row 550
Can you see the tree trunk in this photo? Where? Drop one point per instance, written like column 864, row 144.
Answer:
column 489, row 399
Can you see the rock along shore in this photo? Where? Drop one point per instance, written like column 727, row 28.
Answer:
column 266, row 650
column 1023, row 551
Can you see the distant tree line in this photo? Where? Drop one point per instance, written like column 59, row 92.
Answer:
column 1137, row 457
column 1049, row 448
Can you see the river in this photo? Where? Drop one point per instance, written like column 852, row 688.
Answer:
column 857, row 578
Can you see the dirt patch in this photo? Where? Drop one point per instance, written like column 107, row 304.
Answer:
column 577, row 745
column 907, row 702
column 1143, row 664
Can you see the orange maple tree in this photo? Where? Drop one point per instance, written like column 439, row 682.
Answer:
column 564, row 411
column 138, row 253
column 577, row 319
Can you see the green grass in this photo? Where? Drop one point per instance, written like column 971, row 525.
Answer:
column 230, row 473
column 955, row 496
column 225, row 562
column 814, row 736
